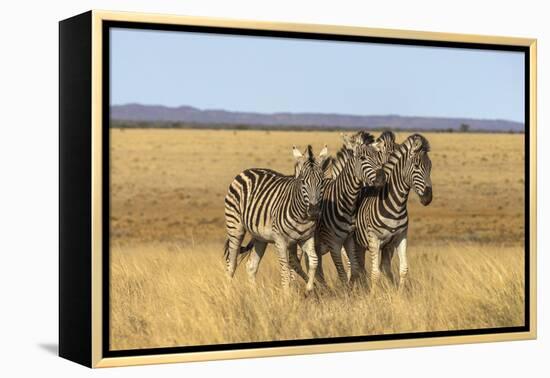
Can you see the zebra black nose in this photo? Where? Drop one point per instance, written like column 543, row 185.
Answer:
column 426, row 198
column 380, row 178
column 314, row 210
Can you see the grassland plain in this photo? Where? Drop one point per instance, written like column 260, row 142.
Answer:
column 167, row 233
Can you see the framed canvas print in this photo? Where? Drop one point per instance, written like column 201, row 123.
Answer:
column 234, row 189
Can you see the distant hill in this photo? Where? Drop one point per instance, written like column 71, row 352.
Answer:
column 163, row 116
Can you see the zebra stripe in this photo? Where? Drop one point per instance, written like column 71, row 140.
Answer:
column 274, row 208
column 336, row 227
column 386, row 145
column 339, row 207
column 340, row 198
column 382, row 218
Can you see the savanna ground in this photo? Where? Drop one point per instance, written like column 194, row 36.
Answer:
column 168, row 286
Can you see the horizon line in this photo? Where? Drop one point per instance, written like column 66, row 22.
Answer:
column 318, row 112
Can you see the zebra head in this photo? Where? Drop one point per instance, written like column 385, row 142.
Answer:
column 309, row 175
column 369, row 167
column 420, row 167
column 386, row 145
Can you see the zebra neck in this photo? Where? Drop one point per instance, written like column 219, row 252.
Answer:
column 339, row 162
column 297, row 203
column 397, row 188
column 347, row 180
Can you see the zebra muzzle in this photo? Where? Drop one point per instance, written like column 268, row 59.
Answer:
column 380, row 179
column 313, row 211
column 426, row 198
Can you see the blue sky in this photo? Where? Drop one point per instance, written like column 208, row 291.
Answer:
column 269, row 75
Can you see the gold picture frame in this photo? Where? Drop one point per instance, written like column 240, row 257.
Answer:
column 82, row 246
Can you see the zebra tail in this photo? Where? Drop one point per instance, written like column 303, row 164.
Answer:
column 242, row 250
column 226, row 250
column 245, row 251
column 247, row 248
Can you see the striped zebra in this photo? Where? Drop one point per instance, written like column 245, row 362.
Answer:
column 360, row 167
column 382, row 219
column 386, row 145
column 340, row 201
column 278, row 209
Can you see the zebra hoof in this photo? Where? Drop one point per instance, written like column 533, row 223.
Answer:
column 311, row 294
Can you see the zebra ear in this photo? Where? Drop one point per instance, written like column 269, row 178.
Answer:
column 296, row 153
column 324, row 152
column 324, row 161
column 298, row 159
column 416, row 146
column 378, row 145
column 348, row 141
column 326, row 166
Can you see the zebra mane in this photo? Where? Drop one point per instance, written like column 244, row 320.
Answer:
column 343, row 153
column 387, row 136
column 335, row 162
column 310, row 156
column 399, row 152
column 401, row 149
column 366, row 137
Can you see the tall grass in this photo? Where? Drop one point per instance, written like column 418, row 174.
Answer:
column 167, row 295
column 167, row 226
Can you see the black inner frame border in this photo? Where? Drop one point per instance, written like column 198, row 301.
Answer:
column 107, row 25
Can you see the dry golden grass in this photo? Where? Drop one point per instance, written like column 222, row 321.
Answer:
column 167, row 295
column 167, row 233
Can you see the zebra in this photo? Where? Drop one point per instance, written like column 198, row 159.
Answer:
column 339, row 202
column 274, row 208
column 385, row 144
column 358, row 168
column 382, row 219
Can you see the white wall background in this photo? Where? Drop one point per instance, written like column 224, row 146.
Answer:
column 29, row 189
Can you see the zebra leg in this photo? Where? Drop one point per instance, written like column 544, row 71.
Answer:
column 336, row 254
column 300, row 253
column 282, row 250
column 292, row 252
column 235, row 237
column 354, row 268
column 403, row 265
column 360, row 252
column 385, row 263
column 347, row 263
column 254, row 259
column 374, row 251
column 309, row 248
column 295, row 263
column 319, row 274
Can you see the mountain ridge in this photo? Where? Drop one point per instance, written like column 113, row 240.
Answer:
column 191, row 115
